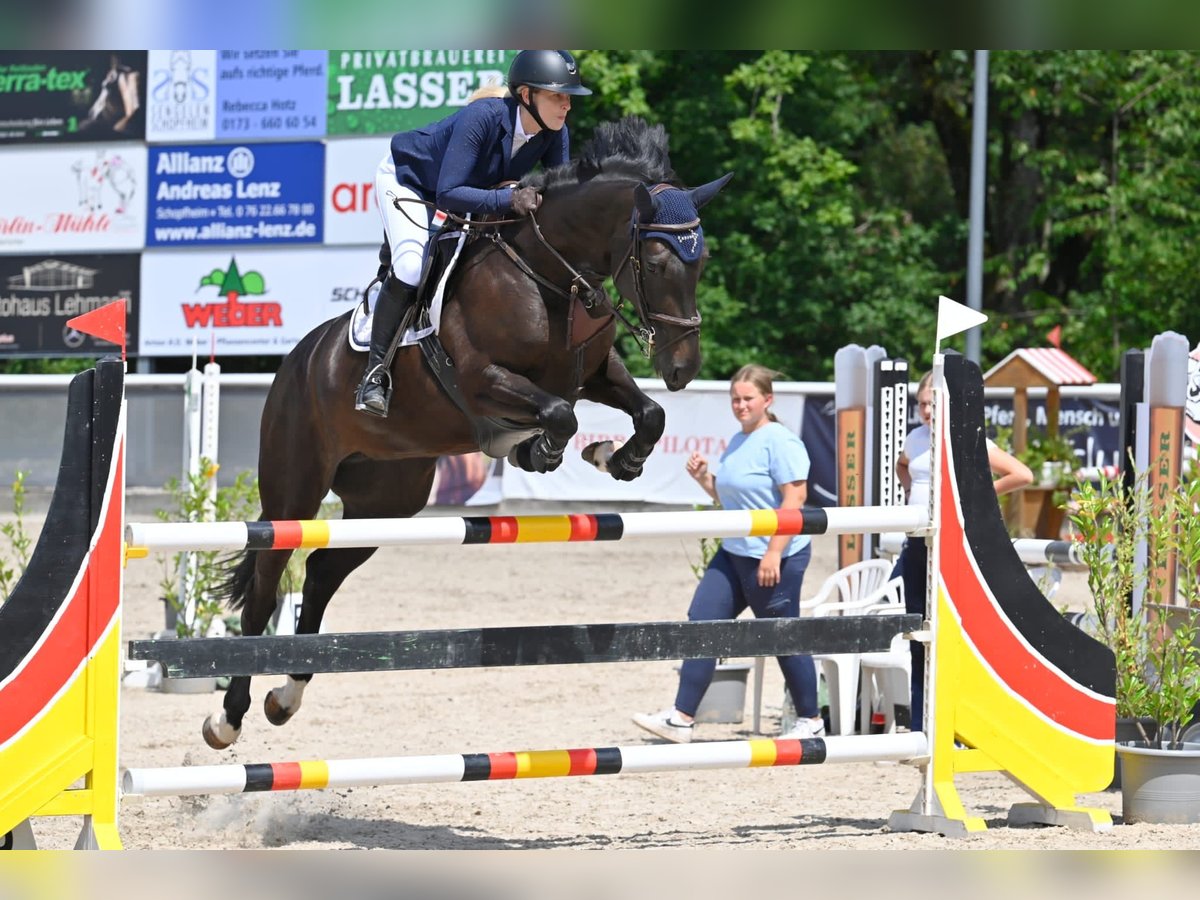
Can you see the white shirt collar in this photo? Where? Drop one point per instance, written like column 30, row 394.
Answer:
column 520, row 137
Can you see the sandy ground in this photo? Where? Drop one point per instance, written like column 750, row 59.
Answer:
column 480, row 710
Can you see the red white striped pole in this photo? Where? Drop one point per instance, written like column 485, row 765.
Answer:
column 345, row 773
column 336, row 533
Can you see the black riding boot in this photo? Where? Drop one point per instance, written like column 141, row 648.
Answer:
column 375, row 391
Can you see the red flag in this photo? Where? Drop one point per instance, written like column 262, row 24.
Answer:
column 1055, row 337
column 106, row 323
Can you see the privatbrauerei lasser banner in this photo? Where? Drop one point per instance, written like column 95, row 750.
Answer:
column 72, row 95
column 84, row 197
column 236, row 194
column 384, row 91
column 38, row 294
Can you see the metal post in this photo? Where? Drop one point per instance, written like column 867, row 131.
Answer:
column 978, row 178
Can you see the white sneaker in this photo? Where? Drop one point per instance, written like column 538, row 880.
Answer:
column 666, row 725
column 805, row 728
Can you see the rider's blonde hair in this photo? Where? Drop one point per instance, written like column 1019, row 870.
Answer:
column 488, row 90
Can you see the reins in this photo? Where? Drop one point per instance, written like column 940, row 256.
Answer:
column 592, row 296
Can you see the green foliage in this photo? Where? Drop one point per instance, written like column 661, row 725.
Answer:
column 1158, row 666
column 205, row 571
column 20, row 543
column 847, row 213
column 237, row 502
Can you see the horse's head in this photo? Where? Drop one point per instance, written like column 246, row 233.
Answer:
column 661, row 257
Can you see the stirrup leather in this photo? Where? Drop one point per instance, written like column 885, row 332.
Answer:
column 380, row 376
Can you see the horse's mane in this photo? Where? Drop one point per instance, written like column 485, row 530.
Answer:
column 629, row 149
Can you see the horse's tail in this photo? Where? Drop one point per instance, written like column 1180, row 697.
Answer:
column 237, row 585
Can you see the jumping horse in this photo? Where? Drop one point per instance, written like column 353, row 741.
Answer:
column 528, row 330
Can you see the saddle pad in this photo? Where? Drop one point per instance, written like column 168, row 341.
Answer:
column 359, row 332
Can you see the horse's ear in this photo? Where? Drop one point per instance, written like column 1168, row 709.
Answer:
column 704, row 193
column 644, row 203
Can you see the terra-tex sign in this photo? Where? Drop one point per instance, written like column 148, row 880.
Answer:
column 245, row 300
column 384, row 91
column 236, row 194
column 75, row 95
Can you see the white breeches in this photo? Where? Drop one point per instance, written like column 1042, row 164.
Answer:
column 407, row 228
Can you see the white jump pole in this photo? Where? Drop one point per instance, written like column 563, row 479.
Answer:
column 433, row 530
column 345, row 773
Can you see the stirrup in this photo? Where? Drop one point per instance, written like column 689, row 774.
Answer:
column 378, row 376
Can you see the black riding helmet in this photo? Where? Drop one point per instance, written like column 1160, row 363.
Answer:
column 550, row 70
column 547, row 70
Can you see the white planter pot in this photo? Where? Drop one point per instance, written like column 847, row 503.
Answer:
column 1160, row 786
column 204, row 685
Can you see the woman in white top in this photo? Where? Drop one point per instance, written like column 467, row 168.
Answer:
column 914, row 468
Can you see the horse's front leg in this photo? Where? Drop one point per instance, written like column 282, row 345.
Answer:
column 614, row 386
column 506, row 394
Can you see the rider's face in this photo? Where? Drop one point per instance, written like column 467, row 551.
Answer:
column 552, row 106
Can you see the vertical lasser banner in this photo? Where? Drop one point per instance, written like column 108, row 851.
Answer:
column 245, row 300
column 86, row 197
column 384, row 91
column 75, row 95
column 236, row 193
column 38, row 294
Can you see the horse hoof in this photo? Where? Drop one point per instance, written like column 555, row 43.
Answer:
column 213, row 739
column 275, row 713
column 600, row 452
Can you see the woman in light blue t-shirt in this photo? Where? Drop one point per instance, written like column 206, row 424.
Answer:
column 764, row 466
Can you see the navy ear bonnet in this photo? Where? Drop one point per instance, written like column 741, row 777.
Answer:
column 675, row 207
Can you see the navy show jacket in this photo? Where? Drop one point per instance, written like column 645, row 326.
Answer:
column 455, row 161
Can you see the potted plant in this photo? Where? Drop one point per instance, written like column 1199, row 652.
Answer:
column 191, row 579
column 1157, row 658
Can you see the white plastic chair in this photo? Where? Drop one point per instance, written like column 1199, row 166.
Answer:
column 847, row 591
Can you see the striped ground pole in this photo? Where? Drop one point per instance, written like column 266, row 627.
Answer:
column 345, row 773
column 296, row 534
column 1032, row 551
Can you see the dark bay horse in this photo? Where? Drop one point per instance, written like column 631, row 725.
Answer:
column 524, row 351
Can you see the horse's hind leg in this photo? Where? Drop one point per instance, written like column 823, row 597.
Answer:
column 369, row 489
column 324, row 573
column 258, row 596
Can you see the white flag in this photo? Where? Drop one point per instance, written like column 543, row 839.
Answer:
column 953, row 317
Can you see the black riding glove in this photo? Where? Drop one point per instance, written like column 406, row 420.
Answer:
column 525, row 200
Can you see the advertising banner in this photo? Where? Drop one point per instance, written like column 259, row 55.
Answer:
column 236, row 194
column 182, row 96
column 56, row 199
column 351, row 213
column 38, row 294
column 385, row 91
column 76, row 95
column 271, row 94
column 248, row 301
column 698, row 420
column 204, row 95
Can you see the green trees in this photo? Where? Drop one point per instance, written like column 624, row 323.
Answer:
column 847, row 216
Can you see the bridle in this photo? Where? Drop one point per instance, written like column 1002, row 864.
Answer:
column 594, row 297
column 633, row 258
